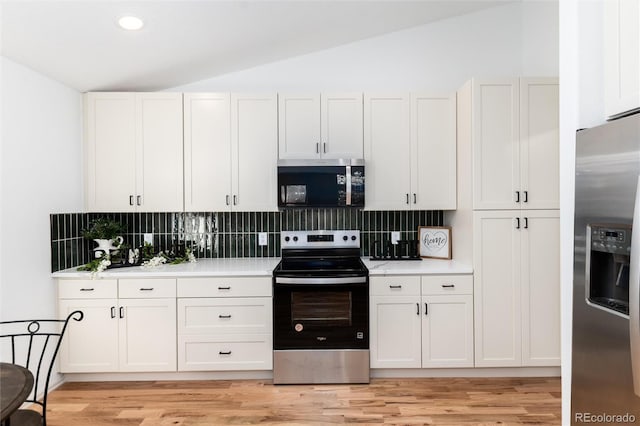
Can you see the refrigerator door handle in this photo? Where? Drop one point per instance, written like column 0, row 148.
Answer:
column 634, row 294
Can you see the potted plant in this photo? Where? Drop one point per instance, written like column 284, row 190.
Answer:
column 104, row 232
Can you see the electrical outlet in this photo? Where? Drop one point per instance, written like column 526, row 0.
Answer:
column 395, row 236
column 262, row 238
column 148, row 238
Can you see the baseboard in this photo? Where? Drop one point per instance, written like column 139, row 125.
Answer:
column 268, row 374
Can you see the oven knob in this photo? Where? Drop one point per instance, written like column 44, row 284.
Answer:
column 345, row 238
column 295, row 238
column 353, row 238
column 287, row 239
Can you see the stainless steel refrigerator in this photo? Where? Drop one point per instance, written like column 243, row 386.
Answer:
column 606, row 327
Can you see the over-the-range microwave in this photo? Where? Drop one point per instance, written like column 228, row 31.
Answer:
column 321, row 183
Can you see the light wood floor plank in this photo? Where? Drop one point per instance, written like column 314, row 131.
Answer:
column 437, row 401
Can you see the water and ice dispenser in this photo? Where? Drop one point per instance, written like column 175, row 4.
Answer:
column 607, row 267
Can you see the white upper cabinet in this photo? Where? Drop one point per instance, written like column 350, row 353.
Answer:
column 133, row 152
column 410, row 151
column 254, row 152
column 515, row 144
column 207, row 151
column 621, row 56
column 320, row 126
column 387, row 151
column 433, row 152
column 231, row 145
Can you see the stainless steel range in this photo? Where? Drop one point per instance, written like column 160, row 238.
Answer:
column 321, row 309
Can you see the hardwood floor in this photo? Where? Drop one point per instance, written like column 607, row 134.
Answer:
column 439, row 401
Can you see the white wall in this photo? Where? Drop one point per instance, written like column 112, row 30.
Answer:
column 40, row 174
column 507, row 40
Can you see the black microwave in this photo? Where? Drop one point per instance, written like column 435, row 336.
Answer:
column 321, row 183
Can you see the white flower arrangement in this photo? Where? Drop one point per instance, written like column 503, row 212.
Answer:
column 157, row 260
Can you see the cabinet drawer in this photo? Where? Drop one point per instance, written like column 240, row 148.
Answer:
column 227, row 352
column 447, row 284
column 408, row 285
column 146, row 288
column 224, row 287
column 88, row 289
column 225, row 315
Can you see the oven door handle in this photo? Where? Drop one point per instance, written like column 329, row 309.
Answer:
column 323, row 280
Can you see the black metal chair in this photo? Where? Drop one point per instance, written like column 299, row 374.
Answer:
column 34, row 344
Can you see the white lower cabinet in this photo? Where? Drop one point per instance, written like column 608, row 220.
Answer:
column 217, row 330
column 517, row 288
column 135, row 334
column 421, row 321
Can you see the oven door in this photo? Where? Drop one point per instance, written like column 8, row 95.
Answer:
column 320, row 313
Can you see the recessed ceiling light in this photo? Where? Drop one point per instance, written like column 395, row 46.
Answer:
column 130, row 23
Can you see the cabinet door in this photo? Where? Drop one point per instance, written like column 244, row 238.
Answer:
column 254, row 152
column 433, row 152
column 159, row 180
column 621, row 56
column 541, row 288
column 341, row 125
column 497, row 298
column 395, row 332
column 110, row 154
column 299, row 126
column 496, row 156
column 147, row 330
column 387, row 152
column 91, row 345
column 447, row 331
column 539, row 143
column 207, row 152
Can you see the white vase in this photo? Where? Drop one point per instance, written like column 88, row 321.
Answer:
column 106, row 245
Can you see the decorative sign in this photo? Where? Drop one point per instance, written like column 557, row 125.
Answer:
column 435, row 241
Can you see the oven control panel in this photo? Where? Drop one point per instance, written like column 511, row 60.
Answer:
column 320, row 239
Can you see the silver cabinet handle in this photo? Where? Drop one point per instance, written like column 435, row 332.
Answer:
column 634, row 295
column 526, row 197
column 139, row 200
column 130, row 200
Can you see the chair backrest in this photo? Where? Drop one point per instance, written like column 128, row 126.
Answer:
column 34, row 344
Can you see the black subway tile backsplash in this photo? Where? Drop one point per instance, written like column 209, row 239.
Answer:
column 229, row 234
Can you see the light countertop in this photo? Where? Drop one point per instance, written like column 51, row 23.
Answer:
column 264, row 267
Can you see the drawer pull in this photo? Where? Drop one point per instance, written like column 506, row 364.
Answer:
column 146, row 289
column 86, row 289
column 426, row 308
column 395, row 286
column 448, row 285
column 224, row 353
column 224, row 316
column 224, row 288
